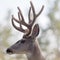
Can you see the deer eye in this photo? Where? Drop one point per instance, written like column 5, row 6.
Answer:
column 17, row 41
column 22, row 41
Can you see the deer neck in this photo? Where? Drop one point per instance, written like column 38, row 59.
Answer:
column 35, row 53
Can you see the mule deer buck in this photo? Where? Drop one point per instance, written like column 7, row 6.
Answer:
column 28, row 44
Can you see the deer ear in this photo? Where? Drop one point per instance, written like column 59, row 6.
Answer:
column 35, row 31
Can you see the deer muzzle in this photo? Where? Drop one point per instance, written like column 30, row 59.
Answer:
column 9, row 51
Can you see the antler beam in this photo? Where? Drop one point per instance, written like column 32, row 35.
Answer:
column 34, row 14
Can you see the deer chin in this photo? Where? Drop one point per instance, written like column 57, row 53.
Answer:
column 19, row 52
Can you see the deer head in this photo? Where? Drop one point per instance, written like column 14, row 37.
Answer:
column 26, row 44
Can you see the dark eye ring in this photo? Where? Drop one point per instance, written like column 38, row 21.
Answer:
column 22, row 41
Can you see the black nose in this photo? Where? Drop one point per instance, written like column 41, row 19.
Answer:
column 9, row 51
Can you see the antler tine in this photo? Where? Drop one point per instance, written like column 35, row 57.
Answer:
column 22, row 20
column 20, row 23
column 40, row 11
column 15, row 19
column 33, row 9
column 29, row 15
column 20, row 13
column 19, row 17
column 31, row 22
column 18, row 28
